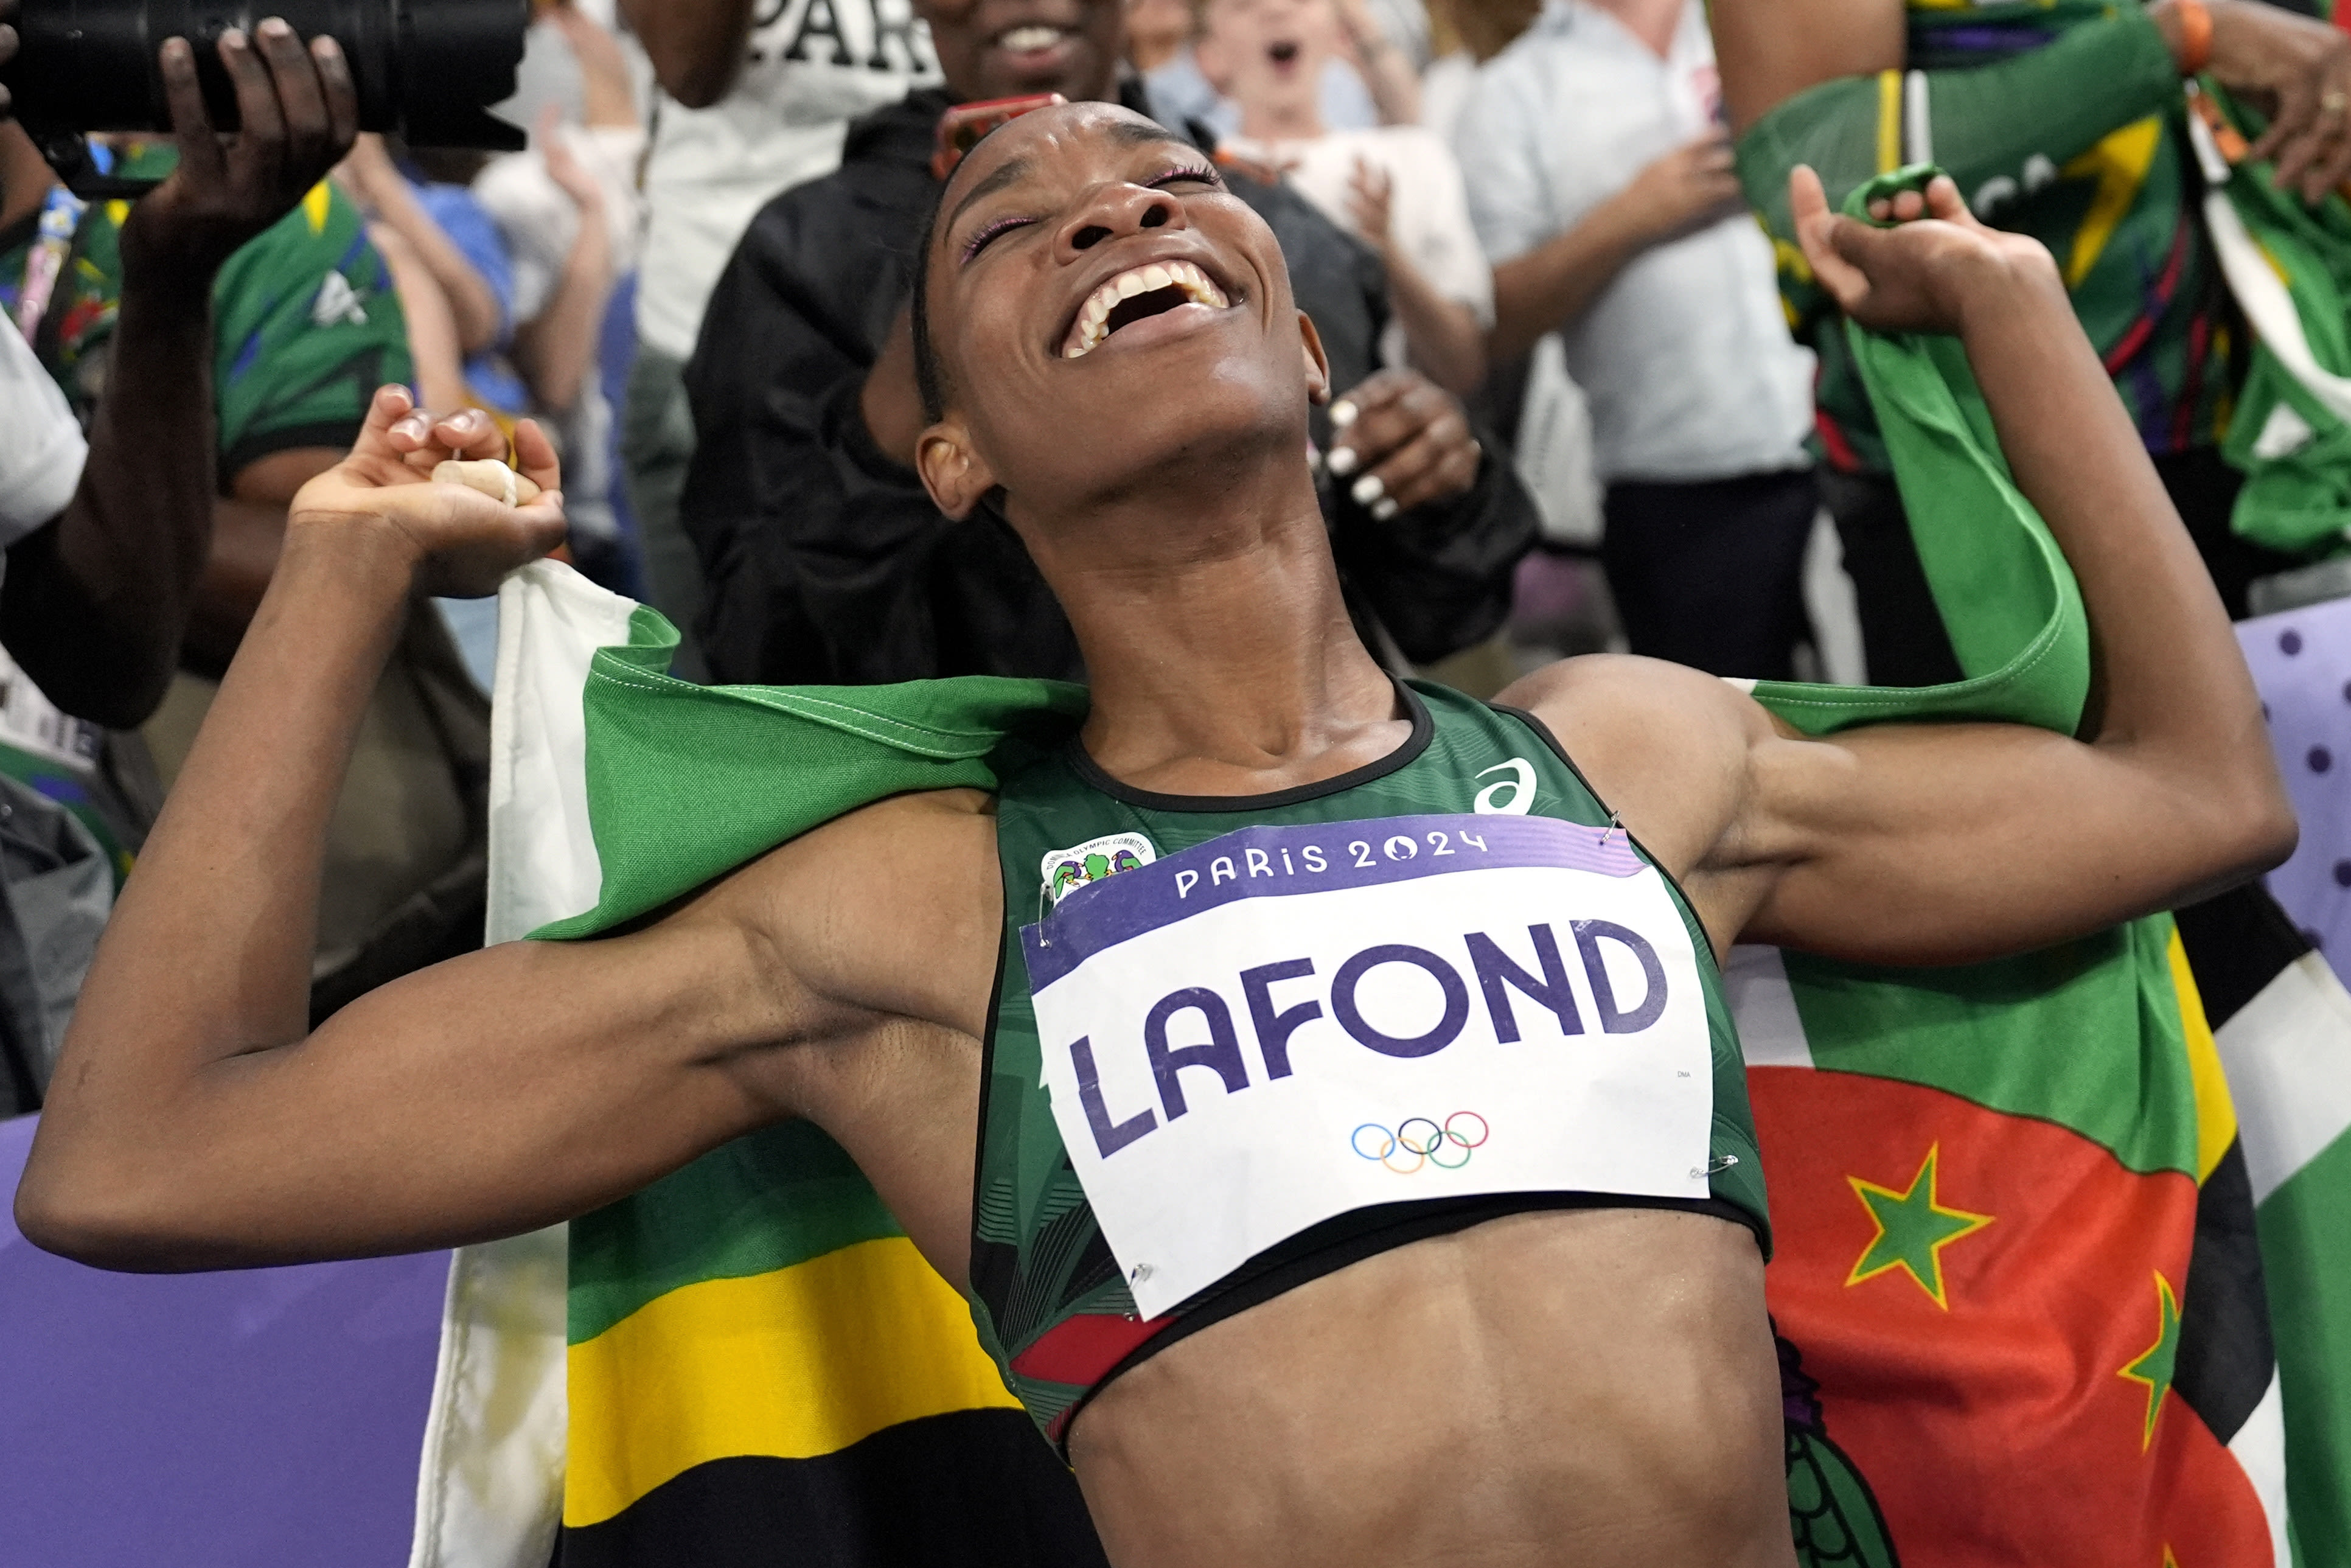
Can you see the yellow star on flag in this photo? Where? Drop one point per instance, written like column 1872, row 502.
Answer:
column 1913, row 1228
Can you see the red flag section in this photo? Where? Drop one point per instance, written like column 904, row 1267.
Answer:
column 1990, row 1307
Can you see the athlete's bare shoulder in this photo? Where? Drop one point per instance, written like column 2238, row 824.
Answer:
column 1665, row 746
column 893, row 908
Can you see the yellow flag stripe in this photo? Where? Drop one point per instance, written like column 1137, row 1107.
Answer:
column 1889, row 121
column 795, row 1364
column 2216, row 1113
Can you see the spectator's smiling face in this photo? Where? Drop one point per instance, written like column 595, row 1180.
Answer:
column 1264, row 53
column 1104, row 315
column 1008, row 48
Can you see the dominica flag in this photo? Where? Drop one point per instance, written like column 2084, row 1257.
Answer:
column 2019, row 1292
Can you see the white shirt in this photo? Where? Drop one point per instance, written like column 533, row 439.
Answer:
column 812, row 66
column 41, row 446
column 1428, row 216
column 1685, row 357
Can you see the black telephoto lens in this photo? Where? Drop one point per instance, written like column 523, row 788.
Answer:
column 424, row 68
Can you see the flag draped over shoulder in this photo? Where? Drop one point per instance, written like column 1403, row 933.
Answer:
column 2015, row 1265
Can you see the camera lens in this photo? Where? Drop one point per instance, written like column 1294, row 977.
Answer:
column 424, row 69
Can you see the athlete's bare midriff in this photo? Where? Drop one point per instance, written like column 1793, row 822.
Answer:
column 1592, row 1387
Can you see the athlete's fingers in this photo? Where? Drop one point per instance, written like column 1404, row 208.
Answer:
column 491, row 477
column 1816, row 232
column 1945, row 203
column 471, row 433
column 382, row 432
column 536, row 455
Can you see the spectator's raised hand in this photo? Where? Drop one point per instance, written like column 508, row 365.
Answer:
column 1402, row 442
column 1919, row 274
column 570, row 176
column 1689, row 188
column 298, row 111
column 458, row 540
column 1369, row 201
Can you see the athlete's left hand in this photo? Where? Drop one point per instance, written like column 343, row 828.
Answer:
column 1403, row 441
column 1923, row 274
column 453, row 539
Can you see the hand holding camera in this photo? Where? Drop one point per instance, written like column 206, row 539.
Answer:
column 297, row 111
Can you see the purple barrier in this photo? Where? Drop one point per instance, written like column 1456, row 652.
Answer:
column 269, row 1417
column 2301, row 660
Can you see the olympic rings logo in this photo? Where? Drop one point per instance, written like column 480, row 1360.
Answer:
column 1426, row 1142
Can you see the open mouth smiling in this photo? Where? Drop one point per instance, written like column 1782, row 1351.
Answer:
column 1030, row 37
column 1140, row 294
column 1282, row 52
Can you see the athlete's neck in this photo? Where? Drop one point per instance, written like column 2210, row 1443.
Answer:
column 1219, row 648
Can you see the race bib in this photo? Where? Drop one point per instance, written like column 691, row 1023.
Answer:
column 1287, row 1024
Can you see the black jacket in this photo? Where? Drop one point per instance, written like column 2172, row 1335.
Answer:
column 825, row 561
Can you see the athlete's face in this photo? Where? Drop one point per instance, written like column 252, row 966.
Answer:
column 1107, row 316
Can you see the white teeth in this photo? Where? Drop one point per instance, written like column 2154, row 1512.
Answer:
column 1093, row 320
column 1019, row 40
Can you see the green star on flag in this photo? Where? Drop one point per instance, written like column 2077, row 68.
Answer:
column 2154, row 1367
column 1913, row 1228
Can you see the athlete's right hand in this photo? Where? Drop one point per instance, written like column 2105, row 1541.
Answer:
column 1923, row 273
column 454, row 540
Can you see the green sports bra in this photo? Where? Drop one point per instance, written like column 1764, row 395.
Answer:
column 1095, row 873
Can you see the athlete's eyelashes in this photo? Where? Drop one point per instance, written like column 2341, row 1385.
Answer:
column 1202, row 174
column 986, row 236
column 980, row 241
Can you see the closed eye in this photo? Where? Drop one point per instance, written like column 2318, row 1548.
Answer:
column 986, row 236
column 1196, row 174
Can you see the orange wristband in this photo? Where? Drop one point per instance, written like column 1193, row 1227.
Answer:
column 2195, row 36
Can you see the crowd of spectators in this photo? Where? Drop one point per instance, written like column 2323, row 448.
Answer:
column 697, row 274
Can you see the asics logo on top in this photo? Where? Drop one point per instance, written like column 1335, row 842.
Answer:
column 1511, row 797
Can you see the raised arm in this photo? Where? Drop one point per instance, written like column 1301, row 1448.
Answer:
column 1951, row 843
column 1924, row 843
column 196, row 1122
